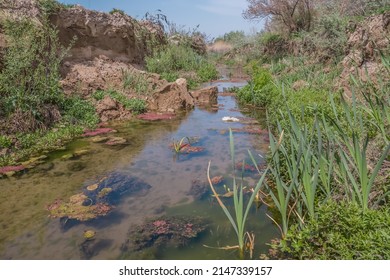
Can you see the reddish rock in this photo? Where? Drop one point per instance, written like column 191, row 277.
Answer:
column 97, row 131
column 156, row 116
column 6, row 169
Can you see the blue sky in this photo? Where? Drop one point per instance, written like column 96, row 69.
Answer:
column 215, row 17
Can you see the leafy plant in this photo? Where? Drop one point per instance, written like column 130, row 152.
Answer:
column 240, row 211
column 5, row 141
column 79, row 112
column 134, row 81
column 179, row 145
column 175, row 60
column 117, row 11
column 354, row 159
column 136, row 105
column 342, row 231
column 29, row 81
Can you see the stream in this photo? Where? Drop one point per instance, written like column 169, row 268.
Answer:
column 28, row 232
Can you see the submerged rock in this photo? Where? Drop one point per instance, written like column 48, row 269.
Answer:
column 164, row 231
column 156, row 116
column 7, row 170
column 97, row 199
column 199, row 189
column 115, row 141
column 76, row 209
column 98, row 131
column 111, row 188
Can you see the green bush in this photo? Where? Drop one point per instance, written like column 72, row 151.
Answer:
column 207, row 72
column 342, row 231
column 117, row 11
column 30, row 78
column 261, row 90
column 79, row 112
column 5, row 141
column 173, row 60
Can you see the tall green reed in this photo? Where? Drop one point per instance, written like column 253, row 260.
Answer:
column 352, row 150
column 241, row 211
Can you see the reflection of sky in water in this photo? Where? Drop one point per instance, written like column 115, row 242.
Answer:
column 148, row 157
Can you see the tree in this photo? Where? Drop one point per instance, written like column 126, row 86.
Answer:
column 294, row 15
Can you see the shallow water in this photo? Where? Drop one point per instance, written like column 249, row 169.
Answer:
column 26, row 231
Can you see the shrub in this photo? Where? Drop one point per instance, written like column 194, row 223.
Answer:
column 173, row 60
column 30, row 78
column 261, row 91
column 79, row 112
column 117, row 11
column 5, row 141
column 342, row 231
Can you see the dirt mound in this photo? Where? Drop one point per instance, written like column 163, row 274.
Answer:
column 116, row 35
column 102, row 73
column 369, row 40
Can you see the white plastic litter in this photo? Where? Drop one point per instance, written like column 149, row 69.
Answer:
column 230, row 119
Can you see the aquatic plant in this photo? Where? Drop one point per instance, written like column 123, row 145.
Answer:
column 179, row 145
column 240, row 210
column 75, row 209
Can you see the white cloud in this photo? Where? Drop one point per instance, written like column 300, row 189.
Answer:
column 225, row 7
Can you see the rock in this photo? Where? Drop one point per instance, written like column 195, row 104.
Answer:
column 32, row 162
column 115, row 141
column 82, row 152
column 76, row 166
column 164, row 232
column 99, row 139
column 8, row 169
column 98, row 131
column 45, row 167
column 199, row 189
column 206, row 96
column 113, row 187
column 171, row 96
column 67, row 157
column 156, row 116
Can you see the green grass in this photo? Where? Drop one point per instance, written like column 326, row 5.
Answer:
column 135, row 105
column 342, row 231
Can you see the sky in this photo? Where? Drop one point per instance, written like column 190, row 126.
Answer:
column 214, row 17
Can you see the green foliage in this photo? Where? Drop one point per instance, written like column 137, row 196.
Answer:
column 136, row 105
column 38, row 141
column 261, row 90
column 48, row 6
column 353, row 158
column 79, row 112
column 117, row 11
column 207, row 72
column 241, row 210
column 342, row 231
column 30, row 77
column 173, row 60
column 5, row 141
column 134, row 81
